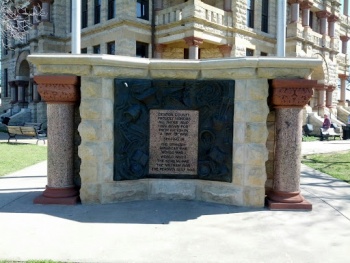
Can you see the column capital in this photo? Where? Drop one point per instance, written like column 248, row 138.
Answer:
column 292, row 93
column 294, row 1
column 323, row 14
column 193, row 41
column 306, row 5
column 343, row 76
column 22, row 82
column 333, row 18
column 344, row 38
column 330, row 88
column 58, row 88
column 13, row 83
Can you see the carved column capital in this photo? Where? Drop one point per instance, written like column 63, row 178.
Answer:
column 225, row 50
column 160, row 48
column 294, row 1
column 193, row 41
column 58, row 89
column 344, row 38
column 292, row 93
column 306, row 5
column 343, row 76
column 323, row 14
column 333, row 18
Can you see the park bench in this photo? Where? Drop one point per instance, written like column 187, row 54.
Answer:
column 28, row 129
column 325, row 133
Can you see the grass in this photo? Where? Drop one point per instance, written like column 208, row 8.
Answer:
column 16, row 156
column 335, row 164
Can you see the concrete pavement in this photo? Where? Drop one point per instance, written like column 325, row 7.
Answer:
column 175, row 231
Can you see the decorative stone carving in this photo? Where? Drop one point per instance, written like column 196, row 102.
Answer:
column 58, row 89
column 292, row 93
column 193, row 41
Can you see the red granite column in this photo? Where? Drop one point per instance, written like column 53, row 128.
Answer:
column 295, row 6
column 193, row 43
column 329, row 96
column 61, row 94
column 288, row 97
column 225, row 50
column 305, row 7
column 323, row 16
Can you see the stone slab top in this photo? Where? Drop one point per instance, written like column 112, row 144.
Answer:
column 226, row 68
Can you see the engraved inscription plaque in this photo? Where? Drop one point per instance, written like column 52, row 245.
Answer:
column 173, row 142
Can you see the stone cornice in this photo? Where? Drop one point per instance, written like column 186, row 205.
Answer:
column 58, row 89
column 292, row 93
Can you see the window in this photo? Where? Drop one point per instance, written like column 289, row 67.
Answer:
column 263, row 54
column 6, row 44
column 97, row 18
column 84, row 13
column 249, row 52
column 142, row 9
column 265, row 16
column 6, row 84
column 311, row 18
column 141, row 50
column 111, row 48
column 250, row 13
column 83, row 51
column 111, row 9
column 186, row 53
column 96, row 49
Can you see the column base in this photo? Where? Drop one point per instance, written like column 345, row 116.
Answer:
column 58, row 196
column 278, row 200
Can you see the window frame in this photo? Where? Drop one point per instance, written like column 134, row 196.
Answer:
column 111, row 9
column 84, row 13
column 250, row 13
column 111, row 48
column 96, row 49
column 144, row 9
column 97, row 12
column 265, row 16
column 139, row 45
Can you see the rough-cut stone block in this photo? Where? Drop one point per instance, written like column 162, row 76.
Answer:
column 91, row 109
column 108, row 88
column 89, row 173
column 90, row 193
column 238, row 174
column 119, row 72
column 282, row 73
column 108, row 131
column 90, row 131
column 256, row 154
column 255, row 176
column 238, row 156
column 257, row 89
column 255, row 132
column 172, row 189
column 124, row 191
column 254, row 196
column 220, row 193
column 241, row 90
column 107, row 109
column 107, row 173
column 239, row 132
column 256, row 111
column 79, row 70
column 91, row 87
column 240, row 112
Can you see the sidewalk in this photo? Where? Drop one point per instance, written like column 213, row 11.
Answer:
column 175, row 231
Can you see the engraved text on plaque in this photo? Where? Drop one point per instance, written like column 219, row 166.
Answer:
column 173, row 142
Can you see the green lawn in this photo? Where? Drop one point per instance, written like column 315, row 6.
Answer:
column 16, row 156
column 334, row 164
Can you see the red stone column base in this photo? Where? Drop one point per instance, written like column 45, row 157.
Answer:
column 58, row 196
column 277, row 200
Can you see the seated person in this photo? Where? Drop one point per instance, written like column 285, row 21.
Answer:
column 326, row 125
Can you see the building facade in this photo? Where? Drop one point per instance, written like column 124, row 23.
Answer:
column 182, row 29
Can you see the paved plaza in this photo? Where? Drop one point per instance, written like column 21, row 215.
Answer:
column 176, row 231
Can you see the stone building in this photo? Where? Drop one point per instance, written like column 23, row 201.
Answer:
column 183, row 29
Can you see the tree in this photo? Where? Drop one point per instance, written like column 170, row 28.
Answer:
column 16, row 18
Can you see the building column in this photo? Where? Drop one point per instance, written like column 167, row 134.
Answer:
column 329, row 96
column 331, row 22
column 228, row 5
column 295, row 6
column 289, row 97
column 22, row 85
column 305, row 7
column 193, row 44
column 323, row 15
column 344, row 47
column 61, row 94
column 36, row 95
column 225, row 50
column 46, row 10
column 343, row 78
column 13, row 87
column 159, row 49
column 346, row 8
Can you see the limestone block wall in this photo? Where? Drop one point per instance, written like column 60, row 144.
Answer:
column 253, row 138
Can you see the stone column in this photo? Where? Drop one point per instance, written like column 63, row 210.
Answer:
column 344, row 47
column 22, row 85
column 323, row 15
column 159, row 49
column 46, row 6
column 13, row 86
column 295, row 6
column 228, row 5
column 61, row 94
column 321, row 94
column 346, row 8
column 193, row 43
column 305, row 7
column 158, row 5
column 36, row 95
column 343, row 78
column 225, row 50
column 288, row 97
column 331, row 22
column 329, row 96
